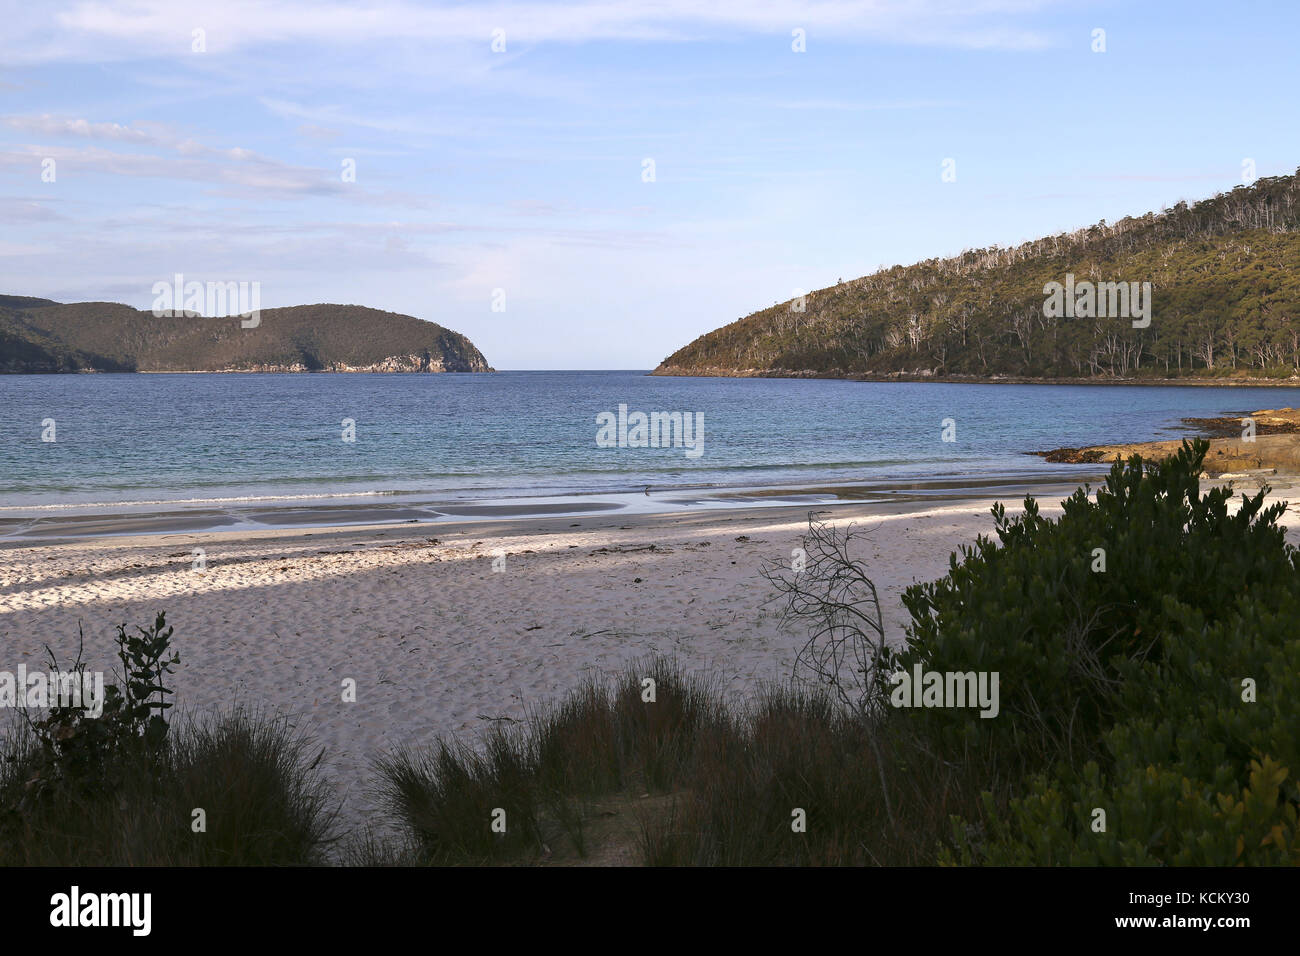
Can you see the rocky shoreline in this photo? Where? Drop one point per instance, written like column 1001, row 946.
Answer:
column 1264, row 442
column 928, row 375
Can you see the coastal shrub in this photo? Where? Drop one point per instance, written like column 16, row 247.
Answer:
column 253, row 777
column 124, row 789
column 1097, row 625
column 1066, row 611
column 1149, row 700
column 75, row 750
column 1200, row 770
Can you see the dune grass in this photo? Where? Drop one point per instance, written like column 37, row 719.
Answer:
column 607, row 775
column 252, row 775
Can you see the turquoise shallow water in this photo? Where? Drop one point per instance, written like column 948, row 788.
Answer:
column 205, row 438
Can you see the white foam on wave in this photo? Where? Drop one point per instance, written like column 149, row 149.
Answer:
column 132, row 503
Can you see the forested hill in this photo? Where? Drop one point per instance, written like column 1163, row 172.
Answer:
column 38, row 335
column 1225, row 294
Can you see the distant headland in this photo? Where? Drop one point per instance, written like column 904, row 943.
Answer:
column 41, row 335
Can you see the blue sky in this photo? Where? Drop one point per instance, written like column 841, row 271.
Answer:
column 522, row 171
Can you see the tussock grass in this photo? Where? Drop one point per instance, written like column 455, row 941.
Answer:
column 546, row 775
column 604, row 775
column 253, row 775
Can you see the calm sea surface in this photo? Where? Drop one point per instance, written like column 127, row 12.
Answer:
column 210, row 438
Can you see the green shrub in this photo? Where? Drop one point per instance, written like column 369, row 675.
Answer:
column 76, row 751
column 1200, row 769
column 1162, row 692
column 253, row 777
column 122, row 789
column 1064, row 637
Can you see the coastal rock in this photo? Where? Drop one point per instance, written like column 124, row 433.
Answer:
column 1275, row 448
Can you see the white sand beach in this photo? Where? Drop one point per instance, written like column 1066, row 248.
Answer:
column 437, row 641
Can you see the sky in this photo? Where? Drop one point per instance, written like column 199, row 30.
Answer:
column 586, row 185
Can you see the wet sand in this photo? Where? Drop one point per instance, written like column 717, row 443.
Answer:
column 20, row 526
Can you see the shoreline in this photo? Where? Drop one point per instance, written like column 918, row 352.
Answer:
column 71, row 523
column 1292, row 381
column 915, row 377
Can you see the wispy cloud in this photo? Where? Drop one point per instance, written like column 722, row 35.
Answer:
column 93, row 30
column 237, row 170
column 26, row 210
column 319, row 133
column 46, row 125
column 233, row 171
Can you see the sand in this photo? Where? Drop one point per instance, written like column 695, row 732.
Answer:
column 438, row 642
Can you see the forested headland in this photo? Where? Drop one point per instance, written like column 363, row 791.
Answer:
column 1224, row 278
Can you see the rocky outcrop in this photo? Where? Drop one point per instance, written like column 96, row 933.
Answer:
column 1266, row 441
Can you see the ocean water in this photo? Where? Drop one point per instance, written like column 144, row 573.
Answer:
column 194, row 439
